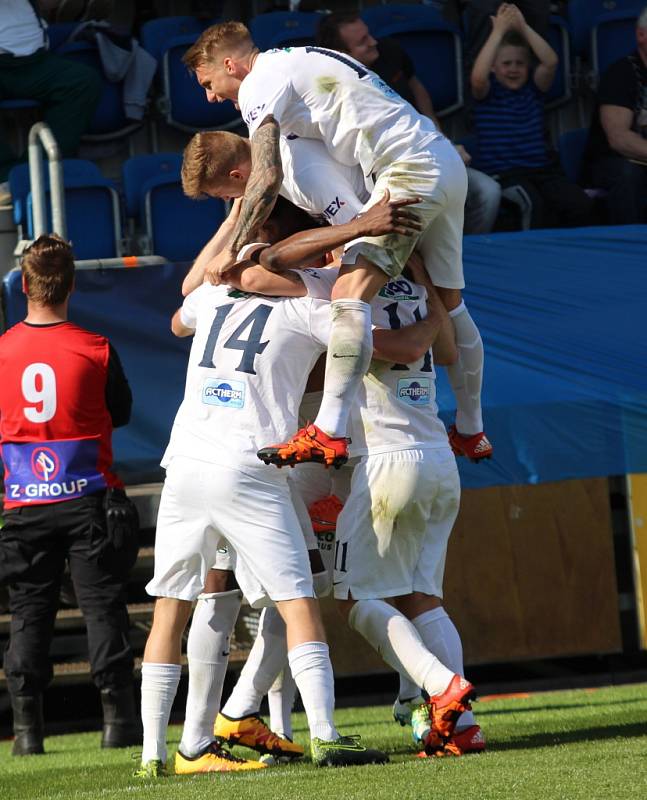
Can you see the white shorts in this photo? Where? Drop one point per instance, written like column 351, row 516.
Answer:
column 439, row 178
column 202, row 504
column 392, row 534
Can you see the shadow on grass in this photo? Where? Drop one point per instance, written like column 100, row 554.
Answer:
column 485, row 710
column 551, row 739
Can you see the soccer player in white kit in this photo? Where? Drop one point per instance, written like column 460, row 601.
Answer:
column 321, row 94
column 247, row 370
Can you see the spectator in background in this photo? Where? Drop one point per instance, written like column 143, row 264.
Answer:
column 509, row 119
column 347, row 32
column 617, row 148
column 62, row 391
column 68, row 92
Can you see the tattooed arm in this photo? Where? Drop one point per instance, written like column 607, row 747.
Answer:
column 260, row 195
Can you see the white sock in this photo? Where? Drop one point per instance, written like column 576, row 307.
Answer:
column 312, row 671
column 408, row 689
column 208, row 655
column 280, row 699
column 264, row 662
column 440, row 636
column 349, row 353
column 399, row 644
column 466, row 375
column 159, row 685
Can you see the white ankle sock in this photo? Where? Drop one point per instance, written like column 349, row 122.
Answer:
column 440, row 636
column 312, row 671
column 280, row 699
column 408, row 689
column 159, row 685
column 399, row 644
column 208, row 655
column 349, row 353
column 466, row 375
column 264, row 662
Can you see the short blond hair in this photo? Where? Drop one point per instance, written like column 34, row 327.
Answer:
column 208, row 159
column 223, row 38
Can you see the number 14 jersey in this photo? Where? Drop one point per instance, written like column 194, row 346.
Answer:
column 249, row 362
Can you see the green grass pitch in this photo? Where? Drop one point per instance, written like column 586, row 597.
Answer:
column 589, row 744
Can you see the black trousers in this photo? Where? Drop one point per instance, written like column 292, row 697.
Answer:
column 626, row 183
column 556, row 202
column 35, row 544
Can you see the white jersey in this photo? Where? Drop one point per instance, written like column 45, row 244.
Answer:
column 318, row 184
column 21, row 32
column 322, row 94
column 396, row 406
column 247, row 371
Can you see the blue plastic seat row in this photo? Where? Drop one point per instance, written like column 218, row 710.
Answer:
column 173, row 225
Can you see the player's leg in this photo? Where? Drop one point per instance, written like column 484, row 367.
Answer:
column 207, row 652
column 280, row 700
column 442, row 248
column 377, row 556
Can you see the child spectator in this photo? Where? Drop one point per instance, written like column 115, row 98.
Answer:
column 509, row 119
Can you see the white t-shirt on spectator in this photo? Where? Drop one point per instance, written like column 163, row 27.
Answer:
column 20, row 30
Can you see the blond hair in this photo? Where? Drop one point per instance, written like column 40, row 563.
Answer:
column 48, row 269
column 208, row 159
column 225, row 38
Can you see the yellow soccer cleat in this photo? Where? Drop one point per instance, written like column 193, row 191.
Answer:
column 253, row 732
column 213, row 758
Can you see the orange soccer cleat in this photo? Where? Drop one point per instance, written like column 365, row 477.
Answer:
column 469, row 740
column 476, row 447
column 308, row 444
column 214, row 758
column 252, row 732
column 446, row 708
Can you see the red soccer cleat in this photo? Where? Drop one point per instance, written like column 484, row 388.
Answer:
column 323, row 513
column 476, row 447
column 469, row 740
column 308, row 444
column 446, row 708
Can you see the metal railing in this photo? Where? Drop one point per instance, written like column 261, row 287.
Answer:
column 42, row 138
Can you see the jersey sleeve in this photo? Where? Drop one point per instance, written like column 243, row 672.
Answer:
column 262, row 93
column 189, row 309
column 318, row 282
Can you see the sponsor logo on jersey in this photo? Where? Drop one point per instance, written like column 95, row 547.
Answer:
column 226, row 394
column 254, row 113
column 45, row 464
column 399, row 289
column 414, row 391
column 57, row 470
column 332, row 209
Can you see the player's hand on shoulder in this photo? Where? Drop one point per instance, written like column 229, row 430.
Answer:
column 389, row 216
column 217, row 268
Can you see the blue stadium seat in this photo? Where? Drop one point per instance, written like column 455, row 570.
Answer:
column 433, row 45
column 182, row 101
column 284, row 28
column 558, row 38
column 582, row 16
column 92, row 208
column 109, row 121
column 156, row 33
column 612, row 38
column 176, row 227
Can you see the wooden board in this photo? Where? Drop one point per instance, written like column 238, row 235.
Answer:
column 530, row 574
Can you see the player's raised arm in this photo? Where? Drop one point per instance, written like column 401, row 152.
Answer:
column 302, row 248
column 260, row 195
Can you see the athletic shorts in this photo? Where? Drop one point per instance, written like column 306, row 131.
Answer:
column 439, row 178
column 392, row 534
column 204, row 503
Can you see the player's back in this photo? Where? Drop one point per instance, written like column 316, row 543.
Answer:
column 247, row 371
column 322, row 94
column 396, row 404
